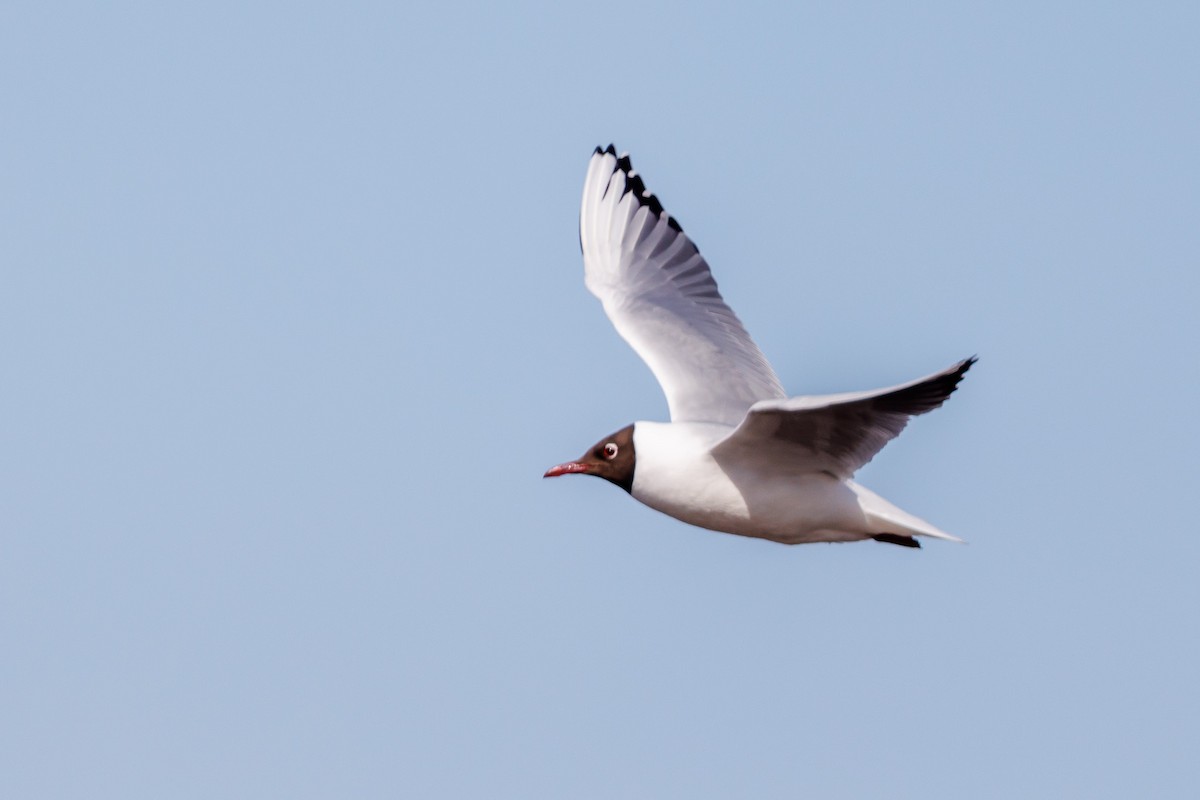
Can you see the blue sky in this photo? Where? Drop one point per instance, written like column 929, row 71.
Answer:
column 293, row 322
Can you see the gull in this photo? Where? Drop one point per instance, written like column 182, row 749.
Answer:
column 738, row 456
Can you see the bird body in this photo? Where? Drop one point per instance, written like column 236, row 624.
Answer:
column 678, row 475
column 738, row 455
column 773, row 498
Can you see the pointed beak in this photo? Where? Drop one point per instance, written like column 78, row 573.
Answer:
column 566, row 469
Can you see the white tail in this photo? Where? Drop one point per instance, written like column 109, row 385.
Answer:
column 886, row 518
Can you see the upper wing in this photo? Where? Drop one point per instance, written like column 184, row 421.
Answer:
column 838, row 433
column 660, row 296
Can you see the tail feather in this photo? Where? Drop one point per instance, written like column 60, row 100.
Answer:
column 888, row 521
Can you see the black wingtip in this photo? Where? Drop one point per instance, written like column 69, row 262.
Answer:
column 957, row 375
column 634, row 184
column 953, row 378
column 652, row 202
column 925, row 395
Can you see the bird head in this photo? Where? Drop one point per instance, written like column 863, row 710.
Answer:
column 611, row 458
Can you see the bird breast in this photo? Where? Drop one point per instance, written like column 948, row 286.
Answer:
column 677, row 475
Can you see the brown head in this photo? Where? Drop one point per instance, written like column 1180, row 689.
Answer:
column 611, row 458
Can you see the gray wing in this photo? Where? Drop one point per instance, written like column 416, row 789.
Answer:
column 838, row 433
column 659, row 294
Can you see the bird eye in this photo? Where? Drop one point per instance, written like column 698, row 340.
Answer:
column 610, row 451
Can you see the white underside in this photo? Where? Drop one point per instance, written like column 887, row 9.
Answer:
column 765, row 496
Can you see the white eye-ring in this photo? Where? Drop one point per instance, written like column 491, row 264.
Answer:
column 610, row 451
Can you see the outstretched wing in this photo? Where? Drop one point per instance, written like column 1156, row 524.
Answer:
column 660, row 296
column 838, row 433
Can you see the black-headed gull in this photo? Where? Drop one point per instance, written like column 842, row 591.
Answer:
column 738, row 455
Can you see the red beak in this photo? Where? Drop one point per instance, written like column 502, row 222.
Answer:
column 565, row 469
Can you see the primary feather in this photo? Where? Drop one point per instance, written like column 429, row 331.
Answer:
column 661, row 297
column 839, row 433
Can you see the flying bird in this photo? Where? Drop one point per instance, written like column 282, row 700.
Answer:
column 738, row 455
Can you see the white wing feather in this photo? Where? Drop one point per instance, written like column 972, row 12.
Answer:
column 661, row 297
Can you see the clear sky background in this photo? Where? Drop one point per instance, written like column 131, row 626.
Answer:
column 292, row 320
